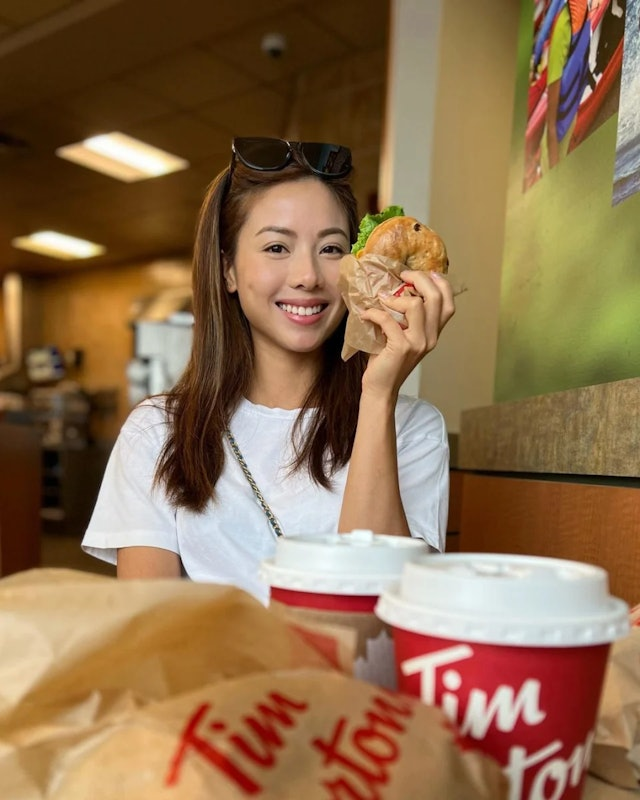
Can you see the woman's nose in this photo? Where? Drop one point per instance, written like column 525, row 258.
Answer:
column 305, row 272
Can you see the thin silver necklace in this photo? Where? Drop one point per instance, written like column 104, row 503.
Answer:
column 271, row 517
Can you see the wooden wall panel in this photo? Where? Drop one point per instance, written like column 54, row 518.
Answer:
column 20, row 487
column 586, row 522
column 455, row 510
column 592, row 430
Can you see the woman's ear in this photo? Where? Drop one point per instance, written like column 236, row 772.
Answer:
column 229, row 272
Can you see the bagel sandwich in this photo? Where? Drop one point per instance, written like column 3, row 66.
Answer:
column 388, row 243
column 404, row 239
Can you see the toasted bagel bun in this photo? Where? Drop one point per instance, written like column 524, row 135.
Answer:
column 407, row 240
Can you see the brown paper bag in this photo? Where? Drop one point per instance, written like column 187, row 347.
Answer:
column 370, row 639
column 277, row 736
column 616, row 752
column 133, row 690
column 76, row 647
column 361, row 281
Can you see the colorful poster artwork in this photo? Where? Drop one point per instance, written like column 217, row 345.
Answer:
column 626, row 179
column 574, row 77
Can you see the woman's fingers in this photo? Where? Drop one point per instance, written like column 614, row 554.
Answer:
column 424, row 313
column 427, row 311
column 392, row 329
column 446, row 290
column 435, row 290
column 420, row 325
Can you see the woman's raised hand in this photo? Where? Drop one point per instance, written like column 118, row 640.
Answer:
column 426, row 314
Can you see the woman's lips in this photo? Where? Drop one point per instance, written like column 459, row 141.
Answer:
column 303, row 314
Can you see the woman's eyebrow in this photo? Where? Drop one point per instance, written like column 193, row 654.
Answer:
column 331, row 232
column 289, row 232
column 276, row 229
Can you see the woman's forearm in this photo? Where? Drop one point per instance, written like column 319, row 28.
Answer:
column 372, row 492
column 148, row 562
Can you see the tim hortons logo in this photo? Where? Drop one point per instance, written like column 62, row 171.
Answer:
column 357, row 756
column 546, row 775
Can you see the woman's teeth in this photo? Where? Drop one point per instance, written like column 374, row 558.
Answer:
column 300, row 311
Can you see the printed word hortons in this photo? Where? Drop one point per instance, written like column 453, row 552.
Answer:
column 360, row 753
column 538, row 775
column 240, row 756
column 549, row 776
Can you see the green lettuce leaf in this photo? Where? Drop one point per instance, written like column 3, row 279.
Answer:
column 369, row 222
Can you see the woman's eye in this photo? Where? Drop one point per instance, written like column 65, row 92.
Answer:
column 333, row 249
column 275, row 248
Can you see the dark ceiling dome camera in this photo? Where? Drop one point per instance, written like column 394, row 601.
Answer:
column 273, row 44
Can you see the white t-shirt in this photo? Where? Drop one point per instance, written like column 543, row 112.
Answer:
column 228, row 540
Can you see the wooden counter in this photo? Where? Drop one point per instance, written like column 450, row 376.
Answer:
column 556, row 475
column 585, row 522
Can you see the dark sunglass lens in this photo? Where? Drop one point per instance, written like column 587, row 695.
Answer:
column 262, row 153
column 327, row 159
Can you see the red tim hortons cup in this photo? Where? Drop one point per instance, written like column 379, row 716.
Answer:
column 513, row 649
column 337, row 579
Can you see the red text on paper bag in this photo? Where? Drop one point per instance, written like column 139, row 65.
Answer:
column 356, row 755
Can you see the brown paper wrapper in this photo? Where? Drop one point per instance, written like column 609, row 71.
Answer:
column 168, row 689
column 616, row 752
column 370, row 637
column 77, row 648
column 277, row 736
column 361, row 282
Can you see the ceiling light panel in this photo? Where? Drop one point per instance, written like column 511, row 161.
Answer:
column 122, row 157
column 58, row 245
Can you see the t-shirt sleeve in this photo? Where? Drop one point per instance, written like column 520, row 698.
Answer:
column 423, row 467
column 129, row 511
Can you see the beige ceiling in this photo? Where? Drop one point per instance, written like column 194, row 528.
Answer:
column 184, row 75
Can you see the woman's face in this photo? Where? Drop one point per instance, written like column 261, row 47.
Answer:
column 286, row 266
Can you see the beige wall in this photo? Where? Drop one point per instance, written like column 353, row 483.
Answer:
column 11, row 327
column 445, row 159
column 470, row 160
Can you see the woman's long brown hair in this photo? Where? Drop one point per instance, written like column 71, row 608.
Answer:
column 219, row 371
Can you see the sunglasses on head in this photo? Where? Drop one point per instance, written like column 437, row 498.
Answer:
column 266, row 155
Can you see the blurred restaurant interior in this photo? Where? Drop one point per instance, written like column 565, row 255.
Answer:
column 82, row 340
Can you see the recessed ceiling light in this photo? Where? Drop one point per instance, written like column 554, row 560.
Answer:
column 122, row 157
column 57, row 245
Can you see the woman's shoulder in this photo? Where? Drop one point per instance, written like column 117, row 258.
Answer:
column 149, row 419
column 416, row 417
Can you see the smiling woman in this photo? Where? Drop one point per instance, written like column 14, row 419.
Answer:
column 268, row 432
column 286, row 278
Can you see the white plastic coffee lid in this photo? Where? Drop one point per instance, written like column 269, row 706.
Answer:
column 505, row 599
column 360, row 562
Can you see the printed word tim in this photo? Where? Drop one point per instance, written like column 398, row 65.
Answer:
column 504, row 708
column 241, row 754
column 535, row 775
